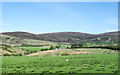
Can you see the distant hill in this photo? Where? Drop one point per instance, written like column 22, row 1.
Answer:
column 22, row 35
column 18, row 38
column 72, row 37
column 110, row 33
column 68, row 37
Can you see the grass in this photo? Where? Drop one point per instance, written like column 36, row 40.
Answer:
column 64, row 46
column 40, row 42
column 91, row 63
column 32, row 48
column 101, row 51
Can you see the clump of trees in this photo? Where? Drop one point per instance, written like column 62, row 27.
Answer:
column 58, row 46
column 5, row 47
column 44, row 49
column 52, row 47
column 12, row 55
column 29, row 52
column 76, row 46
column 106, row 47
column 30, row 45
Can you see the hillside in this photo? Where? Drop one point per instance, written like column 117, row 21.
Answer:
column 9, row 50
column 17, row 40
column 73, row 37
column 68, row 37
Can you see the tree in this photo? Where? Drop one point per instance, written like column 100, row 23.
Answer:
column 58, row 47
column 52, row 47
column 76, row 46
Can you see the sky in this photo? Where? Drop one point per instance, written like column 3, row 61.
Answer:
column 47, row 17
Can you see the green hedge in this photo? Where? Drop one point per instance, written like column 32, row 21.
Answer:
column 30, row 45
column 12, row 55
column 44, row 49
column 106, row 47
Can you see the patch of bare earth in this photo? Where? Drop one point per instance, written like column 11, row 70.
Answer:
column 87, row 49
column 60, row 51
column 42, row 52
column 81, row 52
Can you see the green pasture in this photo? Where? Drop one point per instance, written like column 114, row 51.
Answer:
column 95, row 50
column 33, row 48
column 84, row 63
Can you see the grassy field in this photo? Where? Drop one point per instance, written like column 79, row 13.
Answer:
column 33, row 48
column 40, row 42
column 84, row 63
column 39, row 48
column 95, row 50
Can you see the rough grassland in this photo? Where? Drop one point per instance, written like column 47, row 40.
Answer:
column 84, row 63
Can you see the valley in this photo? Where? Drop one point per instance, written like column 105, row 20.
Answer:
column 63, row 52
